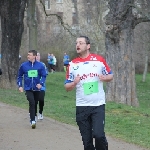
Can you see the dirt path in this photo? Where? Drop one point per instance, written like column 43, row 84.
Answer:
column 16, row 133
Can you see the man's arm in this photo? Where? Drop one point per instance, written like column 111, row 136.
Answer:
column 70, row 86
column 19, row 79
column 43, row 75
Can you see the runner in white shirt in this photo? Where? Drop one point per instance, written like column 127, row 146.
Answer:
column 87, row 74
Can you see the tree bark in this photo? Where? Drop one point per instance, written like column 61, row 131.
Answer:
column 119, row 53
column 12, row 15
column 32, row 24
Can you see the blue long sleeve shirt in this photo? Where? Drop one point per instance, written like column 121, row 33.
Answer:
column 32, row 74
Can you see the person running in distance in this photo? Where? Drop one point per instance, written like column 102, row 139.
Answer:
column 66, row 60
column 54, row 63
column 87, row 73
column 50, row 62
column 42, row 93
column 34, row 75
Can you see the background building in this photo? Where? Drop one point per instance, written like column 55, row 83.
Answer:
column 60, row 21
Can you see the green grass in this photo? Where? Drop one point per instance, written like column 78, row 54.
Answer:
column 124, row 122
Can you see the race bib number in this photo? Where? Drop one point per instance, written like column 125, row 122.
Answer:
column 32, row 73
column 90, row 88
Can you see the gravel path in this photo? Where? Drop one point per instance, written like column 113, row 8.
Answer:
column 16, row 133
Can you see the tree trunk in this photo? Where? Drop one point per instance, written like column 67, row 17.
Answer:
column 32, row 24
column 12, row 15
column 119, row 53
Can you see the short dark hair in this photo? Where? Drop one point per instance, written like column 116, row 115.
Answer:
column 34, row 52
column 87, row 40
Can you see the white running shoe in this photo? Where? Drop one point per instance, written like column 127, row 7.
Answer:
column 35, row 118
column 33, row 124
column 40, row 116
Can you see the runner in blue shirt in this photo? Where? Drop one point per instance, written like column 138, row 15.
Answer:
column 34, row 75
column 50, row 62
column 66, row 60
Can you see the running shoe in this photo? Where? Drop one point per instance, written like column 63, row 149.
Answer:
column 33, row 124
column 35, row 118
column 40, row 116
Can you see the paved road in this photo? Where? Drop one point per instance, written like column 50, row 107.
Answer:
column 16, row 133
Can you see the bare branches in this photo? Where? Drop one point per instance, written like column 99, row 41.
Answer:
column 139, row 15
column 118, row 13
column 65, row 26
column 118, row 17
column 139, row 20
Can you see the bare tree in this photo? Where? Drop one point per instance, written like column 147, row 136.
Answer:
column 121, row 20
column 144, row 5
column 91, row 22
column 147, row 50
column 12, row 15
column 32, row 24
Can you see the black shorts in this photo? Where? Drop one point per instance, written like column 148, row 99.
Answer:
column 51, row 66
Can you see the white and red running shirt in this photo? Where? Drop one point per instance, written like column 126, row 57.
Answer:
column 89, row 91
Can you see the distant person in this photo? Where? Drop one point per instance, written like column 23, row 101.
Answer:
column 54, row 63
column 19, row 57
column 42, row 93
column 34, row 75
column 50, row 62
column 66, row 60
column 87, row 73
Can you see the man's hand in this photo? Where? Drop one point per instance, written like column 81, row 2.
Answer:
column 102, row 77
column 70, row 86
column 39, row 86
column 77, row 79
column 21, row 89
column 106, row 78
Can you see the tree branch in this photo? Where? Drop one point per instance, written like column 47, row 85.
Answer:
column 139, row 20
column 118, row 16
column 140, row 15
column 65, row 26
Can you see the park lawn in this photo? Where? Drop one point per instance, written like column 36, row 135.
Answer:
column 128, row 123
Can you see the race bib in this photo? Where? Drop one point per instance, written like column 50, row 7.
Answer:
column 32, row 73
column 90, row 88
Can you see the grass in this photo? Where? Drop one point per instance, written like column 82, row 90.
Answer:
column 124, row 122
